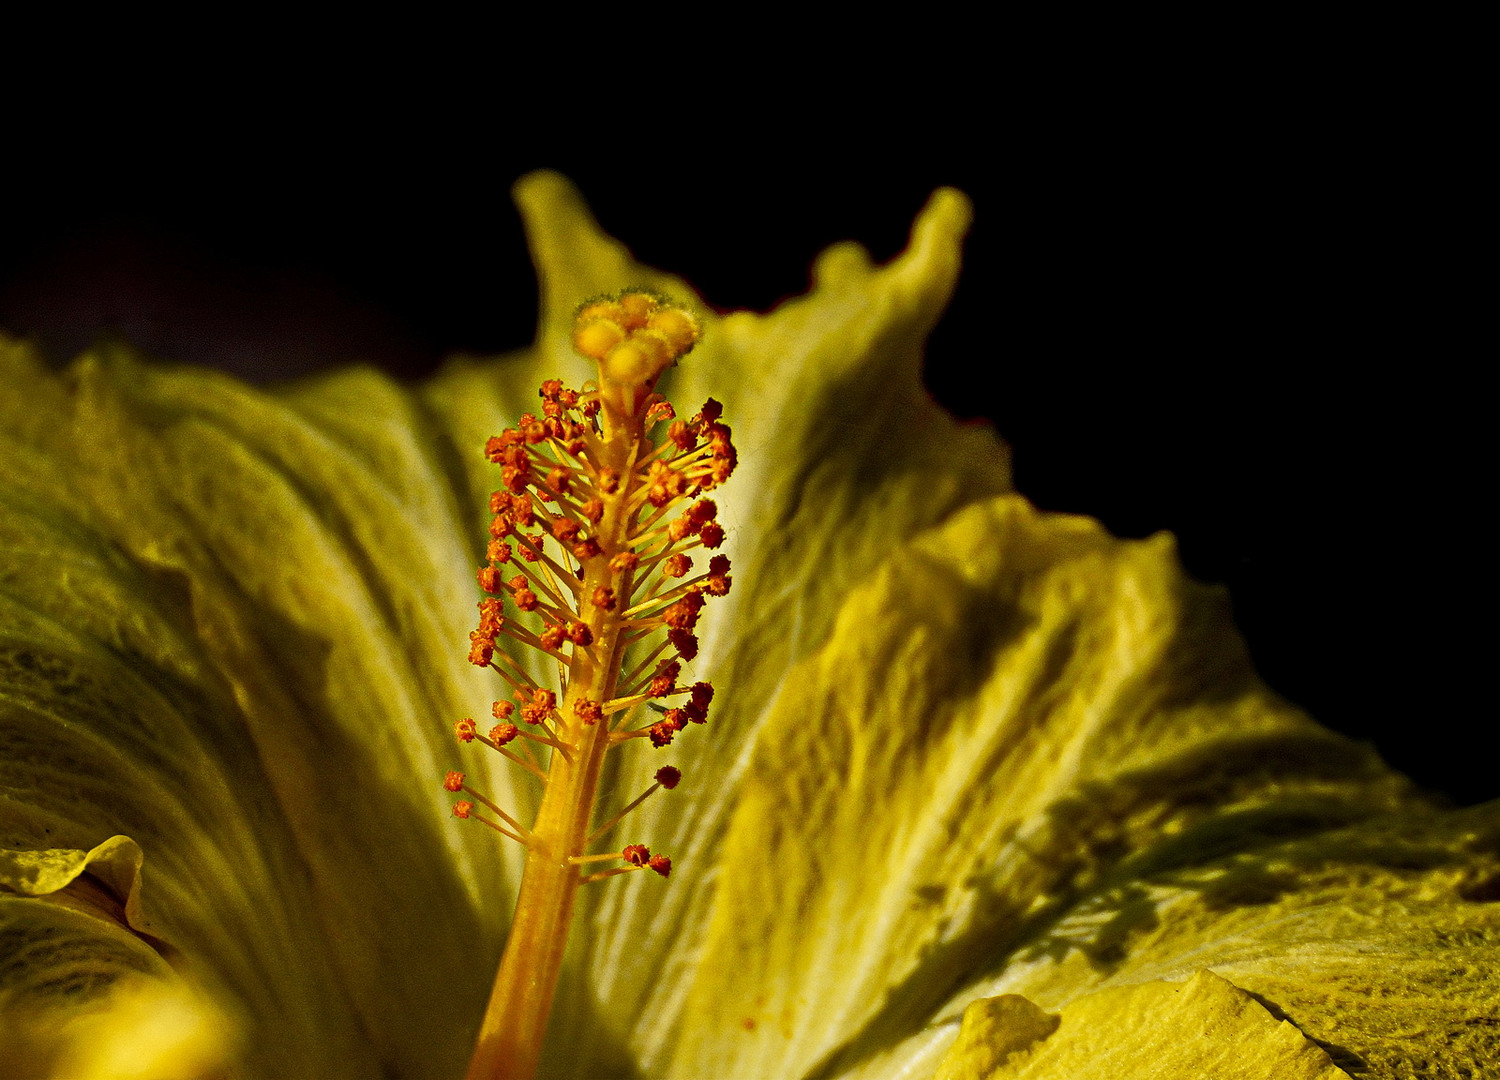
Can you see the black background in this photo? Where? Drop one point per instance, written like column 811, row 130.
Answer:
column 1225, row 308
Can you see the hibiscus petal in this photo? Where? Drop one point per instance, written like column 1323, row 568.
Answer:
column 234, row 633
column 1016, row 718
column 1149, row 1031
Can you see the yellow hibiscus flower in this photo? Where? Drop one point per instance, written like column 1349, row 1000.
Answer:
column 985, row 792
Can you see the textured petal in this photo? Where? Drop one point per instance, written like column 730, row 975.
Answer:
column 227, row 635
column 1149, row 1031
column 1017, row 718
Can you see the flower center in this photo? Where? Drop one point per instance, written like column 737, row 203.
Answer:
column 593, row 543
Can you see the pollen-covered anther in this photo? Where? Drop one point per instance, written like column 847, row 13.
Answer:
column 711, row 534
column 540, row 707
column 661, row 733
column 502, row 709
column 683, row 615
column 580, row 634
column 664, row 484
column 454, row 781
column 463, row 808
column 661, row 864
column 465, row 730
column 636, row 854
column 586, row 549
column 668, row 777
column 489, row 579
column 604, row 598
column 608, row 481
column 593, row 510
column 501, row 734
column 625, row 560
column 588, row 710
column 498, row 552
column 560, row 480
column 481, row 648
column 659, row 411
column 552, row 637
column 676, row 566
column 685, row 643
column 525, row 599
column 565, row 529
column 718, row 576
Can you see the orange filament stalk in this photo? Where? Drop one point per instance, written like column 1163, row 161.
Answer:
column 590, row 542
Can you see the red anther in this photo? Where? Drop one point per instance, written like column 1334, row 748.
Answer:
column 522, row 510
column 586, row 549
column 526, row 600
column 703, row 693
column 683, row 615
column 590, row 408
column 660, row 686
column 575, row 445
column 676, row 565
column 682, row 436
column 465, row 729
column 551, row 388
column 668, row 777
column 565, row 529
column 520, row 581
column 608, row 481
column 661, row 864
column 499, row 501
column 588, row 710
column 569, row 398
column 543, row 698
column 534, row 551
column 665, row 483
column 604, row 598
column 704, row 510
column 454, row 781
column 503, row 709
column 593, row 510
column 718, row 565
column 711, row 534
column 501, row 734
column 481, row 648
column 636, row 854
column 710, row 412
column 659, row 411
column 680, row 530
column 625, row 560
column 534, row 432
column 501, row 526
column 580, row 634
column 552, row 637
column 669, row 669
column 515, row 477
column 497, row 551
column 559, row 480
column 489, row 579
column 661, row 734
column 676, row 719
column 685, row 643
column 462, row 808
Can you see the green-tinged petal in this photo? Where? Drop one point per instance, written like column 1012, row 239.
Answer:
column 1017, row 719
column 1149, row 1031
column 230, row 633
column 85, row 993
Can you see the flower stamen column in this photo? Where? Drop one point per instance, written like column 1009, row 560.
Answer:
column 586, row 476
